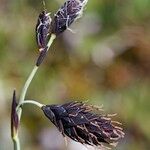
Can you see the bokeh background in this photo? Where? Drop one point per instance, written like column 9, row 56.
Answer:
column 106, row 61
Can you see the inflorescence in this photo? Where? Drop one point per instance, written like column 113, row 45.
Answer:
column 77, row 120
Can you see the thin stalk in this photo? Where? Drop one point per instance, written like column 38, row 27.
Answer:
column 25, row 88
column 30, row 77
column 16, row 141
column 31, row 102
column 52, row 38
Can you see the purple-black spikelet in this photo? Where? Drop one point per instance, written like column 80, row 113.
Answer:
column 14, row 117
column 78, row 121
column 67, row 14
column 43, row 29
column 42, row 34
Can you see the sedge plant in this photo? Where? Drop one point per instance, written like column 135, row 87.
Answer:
column 76, row 120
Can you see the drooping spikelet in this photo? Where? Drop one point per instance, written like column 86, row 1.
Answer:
column 78, row 121
column 67, row 14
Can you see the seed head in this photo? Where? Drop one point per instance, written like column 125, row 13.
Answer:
column 42, row 35
column 78, row 121
column 42, row 29
column 67, row 14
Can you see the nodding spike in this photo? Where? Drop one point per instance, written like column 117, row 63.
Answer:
column 84, row 127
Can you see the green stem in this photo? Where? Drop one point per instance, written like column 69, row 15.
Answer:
column 52, row 38
column 31, row 102
column 16, row 141
column 31, row 76
column 25, row 88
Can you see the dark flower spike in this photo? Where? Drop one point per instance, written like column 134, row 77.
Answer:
column 67, row 14
column 78, row 121
column 42, row 29
column 42, row 34
column 14, row 117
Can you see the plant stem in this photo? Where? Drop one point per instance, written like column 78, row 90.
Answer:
column 16, row 143
column 31, row 76
column 31, row 102
column 52, row 38
column 25, row 88
column 16, row 140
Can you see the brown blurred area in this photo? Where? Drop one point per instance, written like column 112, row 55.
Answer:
column 106, row 61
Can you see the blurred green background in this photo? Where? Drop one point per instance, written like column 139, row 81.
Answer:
column 107, row 61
